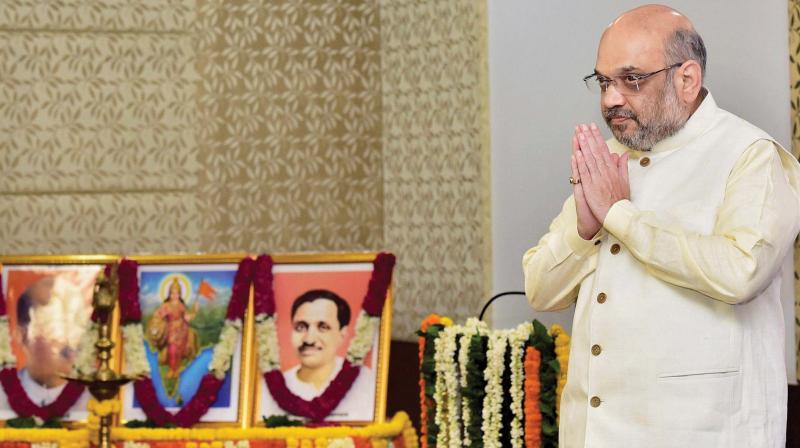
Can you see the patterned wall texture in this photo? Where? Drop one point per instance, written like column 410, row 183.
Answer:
column 289, row 112
column 794, row 67
column 97, row 149
column 436, row 156
column 288, row 125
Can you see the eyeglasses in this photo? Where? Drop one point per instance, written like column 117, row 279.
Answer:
column 627, row 84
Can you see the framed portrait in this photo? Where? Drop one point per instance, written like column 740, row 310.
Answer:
column 318, row 314
column 48, row 305
column 184, row 301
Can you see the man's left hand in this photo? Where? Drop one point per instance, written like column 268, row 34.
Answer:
column 604, row 175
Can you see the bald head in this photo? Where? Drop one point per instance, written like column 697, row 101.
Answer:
column 657, row 33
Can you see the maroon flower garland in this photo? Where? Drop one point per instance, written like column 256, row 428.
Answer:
column 320, row 407
column 18, row 398
column 131, row 313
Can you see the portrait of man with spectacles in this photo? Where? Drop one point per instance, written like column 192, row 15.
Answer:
column 670, row 248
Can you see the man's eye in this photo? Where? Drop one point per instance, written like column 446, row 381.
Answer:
column 324, row 327
column 300, row 327
column 632, row 80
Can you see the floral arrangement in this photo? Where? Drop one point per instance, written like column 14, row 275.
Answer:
column 562, row 355
column 136, row 362
column 367, row 325
column 489, row 388
column 398, row 433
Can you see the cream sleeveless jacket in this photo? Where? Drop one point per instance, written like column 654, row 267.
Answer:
column 656, row 363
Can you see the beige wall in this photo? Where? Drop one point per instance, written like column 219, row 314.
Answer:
column 257, row 126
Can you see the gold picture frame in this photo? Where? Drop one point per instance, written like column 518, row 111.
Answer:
column 188, row 265
column 74, row 280
column 317, row 262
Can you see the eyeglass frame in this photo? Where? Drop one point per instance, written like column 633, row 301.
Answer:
column 637, row 77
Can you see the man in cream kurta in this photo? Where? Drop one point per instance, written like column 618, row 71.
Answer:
column 670, row 248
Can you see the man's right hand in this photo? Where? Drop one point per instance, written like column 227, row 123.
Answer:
column 588, row 225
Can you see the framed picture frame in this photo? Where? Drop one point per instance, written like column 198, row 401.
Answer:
column 48, row 304
column 318, row 303
column 183, row 301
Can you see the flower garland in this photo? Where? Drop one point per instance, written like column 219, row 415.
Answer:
column 448, row 395
column 18, row 398
column 398, row 430
column 428, row 332
column 130, row 319
column 317, row 409
column 548, row 371
column 517, row 339
column 472, row 329
column 533, row 416
column 481, row 387
column 492, row 402
column 562, row 354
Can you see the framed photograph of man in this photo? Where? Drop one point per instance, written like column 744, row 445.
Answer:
column 318, row 300
column 48, row 307
column 184, row 301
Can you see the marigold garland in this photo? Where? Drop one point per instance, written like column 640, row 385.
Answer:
column 533, row 416
column 562, row 342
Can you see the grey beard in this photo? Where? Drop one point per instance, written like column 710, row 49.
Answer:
column 648, row 135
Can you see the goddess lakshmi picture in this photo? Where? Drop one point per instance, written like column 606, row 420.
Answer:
column 183, row 313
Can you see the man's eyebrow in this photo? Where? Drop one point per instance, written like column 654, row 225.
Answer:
column 625, row 69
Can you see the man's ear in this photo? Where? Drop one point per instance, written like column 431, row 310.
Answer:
column 688, row 81
column 344, row 330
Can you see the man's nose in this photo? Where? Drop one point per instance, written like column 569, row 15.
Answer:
column 611, row 97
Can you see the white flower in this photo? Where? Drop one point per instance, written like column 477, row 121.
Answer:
column 360, row 345
column 44, row 445
column 344, row 442
column 7, row 358
column 135, row 360
column 492, row 402
column 236, row 444
column 132, row 444
column 516, row 341
column 267, row 341
column 223, row 350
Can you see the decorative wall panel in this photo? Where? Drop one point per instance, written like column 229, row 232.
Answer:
column 435, row 157
column 97, row 127
column 290, row 123
column 794, row 68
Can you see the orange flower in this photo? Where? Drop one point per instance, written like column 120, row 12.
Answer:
column 533, row 415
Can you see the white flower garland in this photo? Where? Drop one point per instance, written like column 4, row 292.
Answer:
column 267, row 341
column 7, row 358
column 135, row 359
column 86, row 358
column 44, row 445
column 471, row 328
column 446, row 369
column 223, row 350
column 492, row 403
column 516, row 341
column 360, row 345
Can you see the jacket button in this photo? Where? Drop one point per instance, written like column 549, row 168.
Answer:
column 615, row 248
column 601, row 298
column 644, row 161
column 595, row 402
column 596, row 349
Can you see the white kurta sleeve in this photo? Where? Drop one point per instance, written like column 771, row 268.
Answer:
column 555, row 267
column 756, row 223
